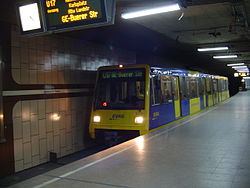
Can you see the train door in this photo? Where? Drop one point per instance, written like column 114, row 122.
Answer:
column 184, row 95
column 215, row 91
column 202, row 95
column 176, row 94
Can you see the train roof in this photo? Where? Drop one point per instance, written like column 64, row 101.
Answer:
column 164, row 71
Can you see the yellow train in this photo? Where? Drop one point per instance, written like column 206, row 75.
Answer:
column 132, row 100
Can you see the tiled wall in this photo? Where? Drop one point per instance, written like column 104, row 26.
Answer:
column 43, row 126
column 49, row 60
column 60, row 60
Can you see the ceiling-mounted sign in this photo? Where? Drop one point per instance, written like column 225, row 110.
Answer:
column 64, row 15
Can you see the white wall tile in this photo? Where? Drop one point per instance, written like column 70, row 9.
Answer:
column 43, row 150
column 33, row 107
column 57, row 144
column 41, row 109
column 56, row 127
column 33, row 76
column 35, row 160
column 49, row 126
column 16, row 75
column 34, row 125
column 17, row 128
column 62, row 138
column 18, row 149
column 19, row 165
column 40, row 75
column 48, row 104
column 27, row 153
column 26, row 131
column 73, row 118
column 63, row 151
column 62, row 104
column 68, row 141
column 35, row 145
column 62, row 124
column 50, row 141
column 68, row 122
column 27, row 165
column 55, row 105
column 24, row 73
column 25, row 110
column 15, row 55
column 42, row 128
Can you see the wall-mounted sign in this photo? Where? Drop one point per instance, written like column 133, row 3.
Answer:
column 64, row 15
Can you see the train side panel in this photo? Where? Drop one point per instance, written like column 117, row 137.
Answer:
column 194, row 105
column 161, row 115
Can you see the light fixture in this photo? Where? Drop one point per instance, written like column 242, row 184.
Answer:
column 239, row 67
column 235, row 64
column 150, row 11
column 55, row 117
column 236, row 74
column 225, row 56
column 97, row 119
column 139, row 119
column 212, row 49
column 29, row 16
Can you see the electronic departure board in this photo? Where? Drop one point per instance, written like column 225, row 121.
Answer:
column 44, row 16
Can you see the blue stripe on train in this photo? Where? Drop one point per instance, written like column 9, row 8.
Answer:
column 161, row 115
column 202, row 102
column 185, row 109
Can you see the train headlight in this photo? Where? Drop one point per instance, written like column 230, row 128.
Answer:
column 97, row 119
column 139, row 119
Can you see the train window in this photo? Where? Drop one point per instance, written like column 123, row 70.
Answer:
column 215, row 86
column 208, row 86
column 221, row 85
column 226, row 85
column 121, row 93
column 193, row 87
column 184, row 88
column 166, row 89
column 201, row 86
column 156, row 90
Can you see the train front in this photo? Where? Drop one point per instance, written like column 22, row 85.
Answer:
column 121, row 102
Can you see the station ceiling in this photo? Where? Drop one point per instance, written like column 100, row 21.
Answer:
column 201, row 23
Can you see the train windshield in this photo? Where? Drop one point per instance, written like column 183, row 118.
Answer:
column 120, row 89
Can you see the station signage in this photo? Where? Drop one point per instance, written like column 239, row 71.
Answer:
column 48, row 16
column 123, row 74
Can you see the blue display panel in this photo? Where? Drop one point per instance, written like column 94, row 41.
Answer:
column 161, row 115
column 202, row 102
column 185, row 109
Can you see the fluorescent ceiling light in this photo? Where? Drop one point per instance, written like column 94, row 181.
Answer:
column 235, row 64
column 212, row 49
column 225, row 56
column 239, row 67
column 243, row 70
column 151, row 11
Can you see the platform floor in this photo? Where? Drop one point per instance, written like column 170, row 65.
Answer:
column 208, row 150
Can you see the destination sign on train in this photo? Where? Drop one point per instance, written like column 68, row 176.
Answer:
column 63, row 15
column 127, row 74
